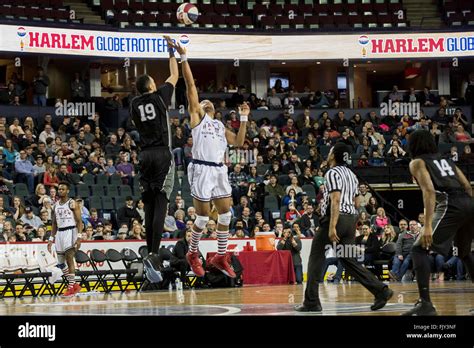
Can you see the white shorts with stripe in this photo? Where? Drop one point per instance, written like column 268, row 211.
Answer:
column 208, row 182
column 65, row 240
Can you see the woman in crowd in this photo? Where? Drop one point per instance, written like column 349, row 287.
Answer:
column 253, row 175
column 462, row 136
column 290, row 198
column 50, row 178
column 19, row 208
column 40, row 194
column 380, row 220
column 371, row 208
column 294, row 185
column 370, row 243
column 364, row 219
column 28, row 123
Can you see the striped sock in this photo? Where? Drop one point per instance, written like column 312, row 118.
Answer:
column 195, row 241
column 71, row 280
column 222, row 237
column 65, row 271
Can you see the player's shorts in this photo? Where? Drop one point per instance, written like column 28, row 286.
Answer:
column 157, row 170
column 208, row 181
column 453, row 221
column 65, row 239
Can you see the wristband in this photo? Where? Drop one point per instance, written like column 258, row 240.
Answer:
column 51, row 239
column 184, row 58
column 244, row 118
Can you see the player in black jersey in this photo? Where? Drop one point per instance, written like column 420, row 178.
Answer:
column 149, row 112
column 449, row 213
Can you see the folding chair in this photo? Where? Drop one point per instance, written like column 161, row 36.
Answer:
column 47, row 263
column 143, row 251
column 131, row 260
column 98, row 256
column 81, row 259
column 114, row 256
column 32, row 265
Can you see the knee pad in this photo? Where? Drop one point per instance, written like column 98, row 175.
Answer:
column 201, row 221
column 224, row 219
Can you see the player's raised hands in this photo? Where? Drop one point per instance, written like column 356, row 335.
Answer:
column 244, row 109
column 181, row 50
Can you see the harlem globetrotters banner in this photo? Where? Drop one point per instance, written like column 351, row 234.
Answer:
column 303, row 46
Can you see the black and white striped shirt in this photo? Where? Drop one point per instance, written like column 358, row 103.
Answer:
column 340, row 178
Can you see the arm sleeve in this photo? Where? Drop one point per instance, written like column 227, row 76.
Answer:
column 166, row 92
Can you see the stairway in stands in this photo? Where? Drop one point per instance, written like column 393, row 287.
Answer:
column 84, row 12
column 423, row 13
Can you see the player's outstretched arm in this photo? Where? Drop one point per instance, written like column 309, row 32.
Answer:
column 174, row 72
column 422, row 176
column 195, row 110
column 238, row 140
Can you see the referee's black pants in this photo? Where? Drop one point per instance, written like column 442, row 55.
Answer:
column 346, row 227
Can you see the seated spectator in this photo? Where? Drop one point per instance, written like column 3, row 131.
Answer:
column 437, row 266
column 275, row 189
column 65, row 176
column 467, row 155
column 112, row 149
column 273, row 101
column 30, row 218
column 389, row 236
column 372, row 206
column 254, row 176
column 94, row 219
column 110, row 167
column 426, row 98
column 292, row 214
column 170, row 229
column 377, row 159
column 292, row 100
column 179, row 218
column 460, row 118
column 191, row 214
column 25, row 171
column 125, row 169
column 402, row 259
column 126, row 213
column 380, row 220
column 462, row 136
column 138, row 232
column 20, row 233
column 178, row 258
column 294, row 185
column 239, row 182
column 454, row 266
column 293, row 244
column 18, row 208
column 370, row 243
column 140, row 208
column 40, row 194
column 364, row 219
column 290, row 198
column 50, row 178
column 396, row 154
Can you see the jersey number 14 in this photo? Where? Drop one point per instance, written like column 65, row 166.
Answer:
column 444, row 168
column 147, row 112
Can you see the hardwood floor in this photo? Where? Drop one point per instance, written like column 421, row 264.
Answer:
column 450, row 298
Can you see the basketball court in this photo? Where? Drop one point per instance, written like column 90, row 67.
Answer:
column 450, row 298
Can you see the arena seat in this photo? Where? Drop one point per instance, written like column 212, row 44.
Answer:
column 96, row 257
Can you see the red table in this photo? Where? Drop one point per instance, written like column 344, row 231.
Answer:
column 265, row 267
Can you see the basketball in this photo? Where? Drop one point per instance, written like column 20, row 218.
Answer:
column 187, row 13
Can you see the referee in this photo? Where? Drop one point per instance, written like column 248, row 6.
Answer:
column 338, row 225
column 149, row 112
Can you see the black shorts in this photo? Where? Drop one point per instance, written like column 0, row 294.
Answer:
column 453, row 221
column 156, row 170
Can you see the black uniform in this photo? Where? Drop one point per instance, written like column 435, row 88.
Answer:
column 454, row 211
column 339, row 178
column 149, row 113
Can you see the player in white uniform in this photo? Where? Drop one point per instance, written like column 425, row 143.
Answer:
column 207, row 173
column 67, row 226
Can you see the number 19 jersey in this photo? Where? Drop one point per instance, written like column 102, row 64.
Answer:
column 149, row 114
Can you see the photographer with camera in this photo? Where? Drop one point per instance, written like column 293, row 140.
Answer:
column 293, row 244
